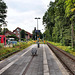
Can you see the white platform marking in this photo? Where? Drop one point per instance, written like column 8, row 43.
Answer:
column 45, row 63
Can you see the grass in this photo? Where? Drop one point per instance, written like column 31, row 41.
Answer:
column 68, row 49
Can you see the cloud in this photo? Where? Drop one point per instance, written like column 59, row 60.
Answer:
column 21, row 13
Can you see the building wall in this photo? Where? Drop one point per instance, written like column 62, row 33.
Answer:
column 17, row 32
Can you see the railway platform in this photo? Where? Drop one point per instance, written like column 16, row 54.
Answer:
column 23, row 63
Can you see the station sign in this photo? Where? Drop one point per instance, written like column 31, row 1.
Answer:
column 37, row 31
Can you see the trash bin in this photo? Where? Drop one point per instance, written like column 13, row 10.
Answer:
column 34, row 51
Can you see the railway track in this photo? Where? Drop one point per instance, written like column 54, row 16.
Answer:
column 67, row 59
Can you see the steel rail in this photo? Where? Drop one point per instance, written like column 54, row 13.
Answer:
column 66, row 54
column 63, row 52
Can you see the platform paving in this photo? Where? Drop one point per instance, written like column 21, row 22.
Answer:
column 55, row 66
column 45, row 63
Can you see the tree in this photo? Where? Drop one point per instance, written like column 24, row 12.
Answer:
column 3, row 11
column 48, row 19
column 70, row 13
column 34, row 37
column 36, row 33
column 60, row 21
column 70, row 6
column 22, row 34
column 40, row 35
column 4, row 30
column 0, row 31
column 47, row 36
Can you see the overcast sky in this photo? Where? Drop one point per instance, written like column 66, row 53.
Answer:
column 21, row 13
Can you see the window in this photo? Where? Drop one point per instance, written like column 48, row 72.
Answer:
column 17, row 29
column 18, row 32
column 18, row 35
column 14, row 32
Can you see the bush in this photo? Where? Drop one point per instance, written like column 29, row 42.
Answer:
column 18, row 46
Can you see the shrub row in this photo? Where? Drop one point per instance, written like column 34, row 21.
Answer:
column 5, row 52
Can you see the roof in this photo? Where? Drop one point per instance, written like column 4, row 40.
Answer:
column 21, row 29
column 16, row 29
column 27, row 32
column 9, row 32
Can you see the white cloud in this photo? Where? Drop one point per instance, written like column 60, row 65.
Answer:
column 21, row 13
column 46, row 2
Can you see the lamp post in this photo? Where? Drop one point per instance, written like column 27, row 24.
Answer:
column 37, row 32
column 37, row 26
column 37, row 21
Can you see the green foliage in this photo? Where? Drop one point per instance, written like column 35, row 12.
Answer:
column 58, row 21
column 4, row 30
column 34, row 37
column 47, row 36
column 13, row 36
column 30, row 40
column 19, row 46
column 40, row 35
column 1, row 45
column 3, row 11
column 69, row 5
column 22, row 34
column 22, row 39
column 0, row 31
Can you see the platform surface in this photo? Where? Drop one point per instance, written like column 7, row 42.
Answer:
column 45, row 63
